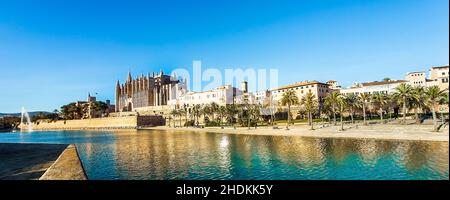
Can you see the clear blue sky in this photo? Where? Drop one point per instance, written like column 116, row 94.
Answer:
column 55, row 52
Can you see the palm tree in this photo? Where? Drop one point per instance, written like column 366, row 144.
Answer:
column 196, row 111
column 403, row 93
column 392, row 104
column 174, row 113
column 444, row 101
column 222, row 112
column 434, row 96
column 185, row 112
column 214, row 109
column 417, row 101
column 341, row 103
column 181, row 113
column 232, row 111
column 288, row 99
column 311, row 105
column 326, row 112
column 207, row 111
column 351, row 100
column 255, row 113
column 333, row 100
column 269, row 103
column 364, row 99
column 380, row 100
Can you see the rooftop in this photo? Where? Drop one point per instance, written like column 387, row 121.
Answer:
column 440, row 67
column 374, row 83
column 298, row 84
column 415, row 73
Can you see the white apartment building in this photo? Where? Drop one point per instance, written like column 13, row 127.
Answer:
column 439, row 76
column 222, row 95
column 262, row 96
column 416, row 78
column 320, row 90
column 384, row 87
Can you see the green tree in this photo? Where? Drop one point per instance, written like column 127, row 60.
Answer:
column 174, row 113
column 255, row 114
column 444, row 101
column 214, row 107
column 417, row 101
column 99, row 108
column 351, row 100
column 288, row 99
column 232, row 111
column 181, row 113
column 342, row 104
column 73, row 111
column 364, row 98
column 434, row 96
column 380, row 100
column 333, row 101
column 310, row 104
column 196, row 112
column 222, row 111
column 269, row 104
column 207, row 111
column 403, row 94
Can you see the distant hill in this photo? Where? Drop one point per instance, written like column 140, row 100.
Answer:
column 18, row 114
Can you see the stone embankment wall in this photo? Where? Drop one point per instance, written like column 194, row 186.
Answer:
column 126, row 122
column 67, row 167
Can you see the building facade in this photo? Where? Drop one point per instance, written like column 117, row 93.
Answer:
column 222, row 95
column 146, row 91
column 320, row 90
column 384, row 87
column 416, row 79
column 439, row 76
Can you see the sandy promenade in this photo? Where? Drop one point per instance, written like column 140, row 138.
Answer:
column 384, row 132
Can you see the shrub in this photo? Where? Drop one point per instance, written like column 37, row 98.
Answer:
column 189, row 123
column 211, row 123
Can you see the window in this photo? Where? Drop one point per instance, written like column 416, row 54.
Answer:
column 445, row 80
column 443, row 73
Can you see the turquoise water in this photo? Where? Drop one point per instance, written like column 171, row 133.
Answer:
column 151, row 154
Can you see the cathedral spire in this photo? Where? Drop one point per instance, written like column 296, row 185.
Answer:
column 129, row 76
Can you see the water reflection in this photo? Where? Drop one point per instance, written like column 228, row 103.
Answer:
column 187, row 155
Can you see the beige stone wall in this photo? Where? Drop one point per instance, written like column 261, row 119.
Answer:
column 125, row 122
column 151, row 120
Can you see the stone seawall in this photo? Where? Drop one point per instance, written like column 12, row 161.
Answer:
column 127, row 122
column 67, row 167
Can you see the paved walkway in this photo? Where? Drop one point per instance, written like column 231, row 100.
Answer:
column 382, row 131
column 31, row 161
